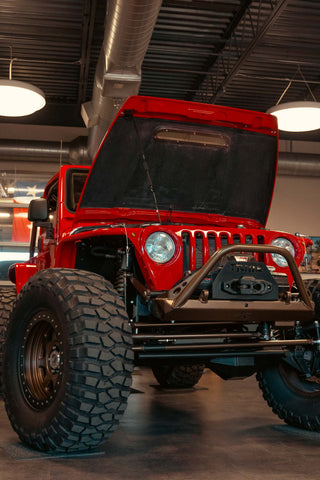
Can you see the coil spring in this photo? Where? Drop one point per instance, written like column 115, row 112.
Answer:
column 120, row 283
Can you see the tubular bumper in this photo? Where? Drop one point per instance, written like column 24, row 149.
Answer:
column 199, row 330
column 177, row 305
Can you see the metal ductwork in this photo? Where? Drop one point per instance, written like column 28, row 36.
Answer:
column 299, row 164
column 128, row 28
column 42, row 156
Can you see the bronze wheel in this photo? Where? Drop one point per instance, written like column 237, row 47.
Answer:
column 42, row 360
column 308, row 386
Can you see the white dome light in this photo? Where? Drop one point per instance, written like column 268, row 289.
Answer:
column 18, row 99
column 297, row 116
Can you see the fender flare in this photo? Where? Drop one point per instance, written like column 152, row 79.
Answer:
column 19, row 273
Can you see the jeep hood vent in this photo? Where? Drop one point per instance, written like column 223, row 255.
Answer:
column 206, row 165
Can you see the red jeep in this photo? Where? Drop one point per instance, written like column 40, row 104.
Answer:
column 157, row 255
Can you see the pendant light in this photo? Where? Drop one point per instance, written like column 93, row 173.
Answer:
column 18, row 99
column 300, row 116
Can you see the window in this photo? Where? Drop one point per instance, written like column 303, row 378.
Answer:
column 75, row 181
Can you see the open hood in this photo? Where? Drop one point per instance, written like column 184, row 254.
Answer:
column 181, row 160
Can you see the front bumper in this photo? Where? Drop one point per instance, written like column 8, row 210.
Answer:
column 280, row 313
column 203, row 328
column 176, row 304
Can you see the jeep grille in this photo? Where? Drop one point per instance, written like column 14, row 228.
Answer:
column 199, row 246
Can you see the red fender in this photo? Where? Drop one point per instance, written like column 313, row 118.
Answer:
column 21, row 273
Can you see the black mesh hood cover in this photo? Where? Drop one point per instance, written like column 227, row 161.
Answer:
column 235, row 179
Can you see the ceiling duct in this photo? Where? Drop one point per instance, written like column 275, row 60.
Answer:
column 42, row 157
column 128, row 28
column 74, row 152
column 299, row 164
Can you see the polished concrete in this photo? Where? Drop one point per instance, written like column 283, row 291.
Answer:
column 218, row 430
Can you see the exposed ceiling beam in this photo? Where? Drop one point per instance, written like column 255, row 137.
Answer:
column 227, row 35
column 89, row 13
column 276, row 12
column 213, row 6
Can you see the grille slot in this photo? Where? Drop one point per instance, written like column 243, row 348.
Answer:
column 224, row 239
column 199, row 250
column 236, row 238
column 186, row 251
column 212, row 243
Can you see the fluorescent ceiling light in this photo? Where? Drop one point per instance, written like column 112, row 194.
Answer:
column 18, row 99
column 297, row 116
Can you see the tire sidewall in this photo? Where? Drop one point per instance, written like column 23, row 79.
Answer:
column 285, row 398
column 8, row 297
column 33, row 299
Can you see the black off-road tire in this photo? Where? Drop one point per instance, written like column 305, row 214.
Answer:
column 178, row 376
column 8, row 296
column 293, row 398
column 68, row 361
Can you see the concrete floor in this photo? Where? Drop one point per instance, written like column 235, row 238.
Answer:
column 218, row 430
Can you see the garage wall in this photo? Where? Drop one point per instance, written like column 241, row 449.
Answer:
column 296, row 205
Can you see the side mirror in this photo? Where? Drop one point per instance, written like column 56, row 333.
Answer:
column 38, row 213
column 38, row 210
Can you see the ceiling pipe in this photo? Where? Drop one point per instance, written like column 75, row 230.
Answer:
column 128, row 28
column 299, row 164
column 74, row 152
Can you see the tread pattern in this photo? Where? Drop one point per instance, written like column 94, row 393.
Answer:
column 7, row 298
column 178, row 376
column 100, row 361
column 287, row 405
column 298, row 410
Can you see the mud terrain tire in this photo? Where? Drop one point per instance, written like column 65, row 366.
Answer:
column 68, row 361
column 292, row 398
column 178, row 376
column 7, row 298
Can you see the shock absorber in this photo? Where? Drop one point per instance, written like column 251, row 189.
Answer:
column 120, row 283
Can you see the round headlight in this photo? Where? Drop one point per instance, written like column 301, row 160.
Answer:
column 160, row 247
column 284, row 243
